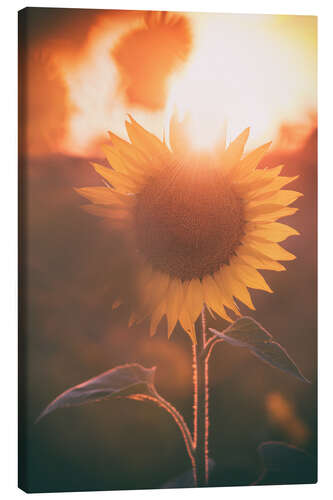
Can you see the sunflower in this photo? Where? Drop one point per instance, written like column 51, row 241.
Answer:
column 202, row 225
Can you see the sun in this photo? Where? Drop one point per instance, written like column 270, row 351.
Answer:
column 203, row 224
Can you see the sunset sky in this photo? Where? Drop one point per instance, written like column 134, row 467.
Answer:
column 223, row 69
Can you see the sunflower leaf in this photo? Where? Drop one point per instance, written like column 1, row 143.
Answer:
column 247, row 332
column 120, row 381
column 285, row 464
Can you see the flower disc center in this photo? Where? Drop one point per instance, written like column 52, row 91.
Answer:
column 188, row 221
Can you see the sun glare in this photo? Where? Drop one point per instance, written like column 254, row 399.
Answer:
column 233, row 77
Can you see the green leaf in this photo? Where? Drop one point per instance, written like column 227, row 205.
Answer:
column 285, row 464
column 120, row 381
column 275, row 355
column 247, row 332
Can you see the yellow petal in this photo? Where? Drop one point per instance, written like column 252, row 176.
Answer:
column 144, row 140
column 127, row 151
column 251, row 212
column 226, row 293
column 252, row 257
column 271, row 188
column 274, row 215
column 187, row 324
column 175, row 298
column 194, row 299
column 105, row 196
column 251, row 160
column 114, row 158
column 274, row 231
column 156, row 317
column 281, row 181
column 258, row 179
column 283, row 197
column 235, row 150
column 275, row 251
column 213, row 296
column 237, row 288
column 121, row 182
column 250, row 277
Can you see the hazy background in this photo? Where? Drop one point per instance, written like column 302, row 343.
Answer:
column 73, row 265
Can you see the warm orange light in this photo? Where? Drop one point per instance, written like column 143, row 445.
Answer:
column 282, row 413
column 243, row 70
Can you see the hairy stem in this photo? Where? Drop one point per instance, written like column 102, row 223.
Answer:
column 201, row 416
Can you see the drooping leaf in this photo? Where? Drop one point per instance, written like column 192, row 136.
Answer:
column 275, row 355
column 285, row 464
column 118, row 381
column 186, row 480
column 247, row 332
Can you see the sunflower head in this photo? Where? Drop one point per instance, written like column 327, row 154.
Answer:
column 203, row 226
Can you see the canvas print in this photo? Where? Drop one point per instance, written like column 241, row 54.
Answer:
column 167, row 250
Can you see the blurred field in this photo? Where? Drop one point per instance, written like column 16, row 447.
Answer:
column 72, row 266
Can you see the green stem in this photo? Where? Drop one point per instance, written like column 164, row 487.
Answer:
column 201, row 415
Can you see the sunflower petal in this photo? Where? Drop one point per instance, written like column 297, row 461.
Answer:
column 144, row 140
column 121, row 145
column 227, row 297
column 275, row 251
column 187, row 324
column 126, row 150
column 282, row 197
column 101, row 195
column 251, row 160
column 121, row 182
column 256, row 259
column 274, row 231
column 261, row 210
column 271, row 188
column 114, row 158
column 258, row 179
column 194, row 299
column 251, row 277
column 274, row 215
column 175, row 298
column 156, row 317
column 237, row 288
column 235, row 150
column 213, row 297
